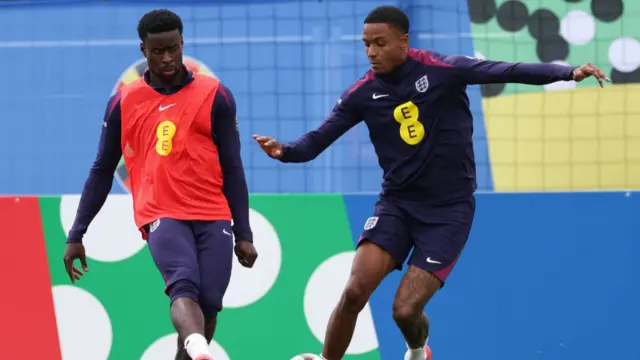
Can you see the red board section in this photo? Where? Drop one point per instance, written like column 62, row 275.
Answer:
column 26, row 310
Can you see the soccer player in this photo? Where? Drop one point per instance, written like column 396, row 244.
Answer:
column 178, row 133
column 415, row 105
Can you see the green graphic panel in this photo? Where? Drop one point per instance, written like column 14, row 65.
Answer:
column 603, row 32
column 275, row 324
column 130, row 291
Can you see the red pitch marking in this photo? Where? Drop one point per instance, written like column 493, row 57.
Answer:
column 26, row 312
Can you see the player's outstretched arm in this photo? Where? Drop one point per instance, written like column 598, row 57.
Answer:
column 343, row 117
column 227, row 138
column 96, row 188
column 476, row 71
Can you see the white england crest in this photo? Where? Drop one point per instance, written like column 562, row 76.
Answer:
column 422, row 84
column 154, row 225
column 371, row 223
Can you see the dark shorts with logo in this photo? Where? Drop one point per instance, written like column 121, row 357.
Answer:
column 436, row 233
column 194, row 255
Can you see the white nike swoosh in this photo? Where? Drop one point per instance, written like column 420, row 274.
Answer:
column 433, row 261
column 224, row 231
column 376, row 96
column 163, row 108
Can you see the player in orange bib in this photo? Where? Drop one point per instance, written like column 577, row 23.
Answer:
column 178, row 134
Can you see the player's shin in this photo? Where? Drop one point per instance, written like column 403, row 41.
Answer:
column 342, row 323
column 210, row 327
column 415, row 291
column 415, row 329
column 370, row 265
column 181, row 354
column 188, row 320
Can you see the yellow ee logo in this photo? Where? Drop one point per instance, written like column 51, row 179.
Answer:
column 165, row 132
column 411, row 129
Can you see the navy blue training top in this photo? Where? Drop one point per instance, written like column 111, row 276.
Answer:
column 419, row 121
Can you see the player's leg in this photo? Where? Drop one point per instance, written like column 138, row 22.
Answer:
column 210, row 324
column 173, row 248
column 415, row 290
column 384, row 245
column 370, row 266
column 214, row 246
column 209, row 329
column 439, row 235
column 215, row 260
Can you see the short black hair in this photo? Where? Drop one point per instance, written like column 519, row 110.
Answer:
column 158, row 21
column 389, row 15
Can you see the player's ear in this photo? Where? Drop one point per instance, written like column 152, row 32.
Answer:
column 142, row 49
column 404, row 40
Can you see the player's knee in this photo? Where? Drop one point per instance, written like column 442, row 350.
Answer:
column 183, row 289
column 354, row 298
column 210, row 302
column 404, row 312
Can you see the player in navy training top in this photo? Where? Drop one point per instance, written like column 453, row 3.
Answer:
column 415, row 105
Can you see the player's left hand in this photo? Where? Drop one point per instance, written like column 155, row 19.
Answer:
column 246, row 253
column 588, row 70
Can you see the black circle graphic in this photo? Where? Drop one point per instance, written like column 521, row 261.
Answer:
column 481, row 11
column 513, row 15
column 607, row 10
column 619, row 77
column 543, row 23
column 491, row 90
column 552, row 48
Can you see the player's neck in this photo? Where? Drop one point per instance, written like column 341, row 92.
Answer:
column 403, row 58
column 397, row 70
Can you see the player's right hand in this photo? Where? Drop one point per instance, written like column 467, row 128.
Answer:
column 75, row 251
column 269, row 145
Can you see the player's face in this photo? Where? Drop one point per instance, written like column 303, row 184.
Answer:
column 164, row 54
column 385, row 45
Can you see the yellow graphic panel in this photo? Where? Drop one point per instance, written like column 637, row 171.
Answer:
column 579, row 139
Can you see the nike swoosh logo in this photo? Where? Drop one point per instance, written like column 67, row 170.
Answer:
column 432, row 261
column 376, row 96
column 224, row 231
column 163, row 108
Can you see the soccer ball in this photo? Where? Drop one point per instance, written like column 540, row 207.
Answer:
column 306, row 357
